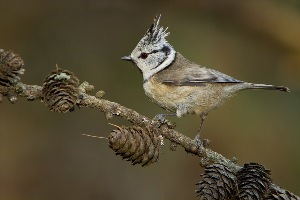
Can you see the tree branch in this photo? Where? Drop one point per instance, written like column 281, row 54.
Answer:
column 84, row 100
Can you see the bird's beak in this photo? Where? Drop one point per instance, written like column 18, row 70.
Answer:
column 127, row 58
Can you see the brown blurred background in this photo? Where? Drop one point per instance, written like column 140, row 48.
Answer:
column 43, row 154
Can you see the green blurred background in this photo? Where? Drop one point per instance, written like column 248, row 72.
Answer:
column 43, row 154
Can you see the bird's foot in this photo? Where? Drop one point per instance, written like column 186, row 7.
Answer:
column 204, row 143
column 160, row 118
column 198, row 141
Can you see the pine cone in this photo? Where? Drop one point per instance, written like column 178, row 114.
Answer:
column 253, row 181
column 10, row 68
column 135, row 144
column 218, row 182
column 277, row 193
column 60, row 91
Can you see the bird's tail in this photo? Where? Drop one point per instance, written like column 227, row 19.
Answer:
column 267, row 87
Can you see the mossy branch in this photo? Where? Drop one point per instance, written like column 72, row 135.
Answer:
column 61, row 92
column 84, row 100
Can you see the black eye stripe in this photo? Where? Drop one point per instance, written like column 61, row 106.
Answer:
column 165, row 49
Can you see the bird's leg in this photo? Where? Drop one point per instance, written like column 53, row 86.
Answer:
column 197, row 138
column 162, row 120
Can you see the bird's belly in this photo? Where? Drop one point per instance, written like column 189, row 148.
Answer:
column 165, row 96
column 185, row 99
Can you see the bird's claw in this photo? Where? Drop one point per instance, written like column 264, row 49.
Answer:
column 160, row 118
column 198, row 141
column 204, row 143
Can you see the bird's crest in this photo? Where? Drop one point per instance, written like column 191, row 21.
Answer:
column 155, row 34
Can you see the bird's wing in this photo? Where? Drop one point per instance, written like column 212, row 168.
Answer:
column 193, row 75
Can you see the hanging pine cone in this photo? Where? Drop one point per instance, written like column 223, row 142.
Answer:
column 10, row 68
column 135, row 144
column 218, row 182
column 253, row 182
column 60, row 91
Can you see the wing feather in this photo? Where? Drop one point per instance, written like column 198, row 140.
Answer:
column 193, row 75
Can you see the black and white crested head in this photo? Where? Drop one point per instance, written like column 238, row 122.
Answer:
column 155, row 35
column 153, row 53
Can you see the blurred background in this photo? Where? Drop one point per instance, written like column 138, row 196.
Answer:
column 43, row 154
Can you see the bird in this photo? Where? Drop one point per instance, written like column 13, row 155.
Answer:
column 179, row 85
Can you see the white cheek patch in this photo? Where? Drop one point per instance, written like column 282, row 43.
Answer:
column 157, row 60
column 147, row 73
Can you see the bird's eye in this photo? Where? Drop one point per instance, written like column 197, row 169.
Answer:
column 143, row 55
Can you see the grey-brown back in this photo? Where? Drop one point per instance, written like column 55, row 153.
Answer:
column 184, row 72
